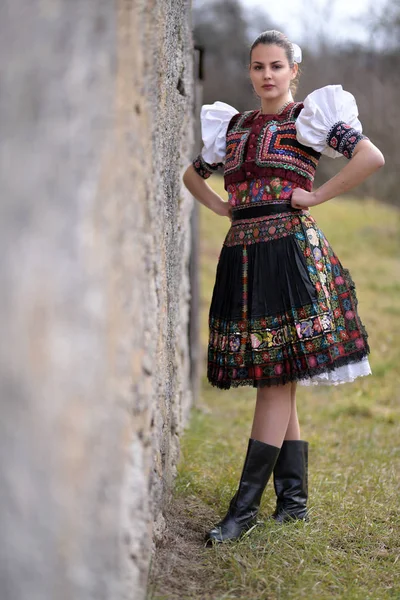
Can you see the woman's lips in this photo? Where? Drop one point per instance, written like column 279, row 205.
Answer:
column 267, row 86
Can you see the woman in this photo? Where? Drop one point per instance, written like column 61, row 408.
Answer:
column 284, row 309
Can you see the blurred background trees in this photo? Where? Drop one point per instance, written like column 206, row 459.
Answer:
column 369, row 70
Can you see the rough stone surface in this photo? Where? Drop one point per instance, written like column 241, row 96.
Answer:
column 95, row 129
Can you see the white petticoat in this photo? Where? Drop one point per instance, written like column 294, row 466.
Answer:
column 344, row 374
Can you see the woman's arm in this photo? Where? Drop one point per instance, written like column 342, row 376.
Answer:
column 200, row 189
column 366, row 159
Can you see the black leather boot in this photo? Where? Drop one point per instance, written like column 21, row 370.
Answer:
column 243, row 508
column 291, row 482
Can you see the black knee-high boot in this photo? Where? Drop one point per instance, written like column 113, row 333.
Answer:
column 291, row 481
column 243, row 508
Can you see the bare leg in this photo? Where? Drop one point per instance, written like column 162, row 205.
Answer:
column 293, row 428
column 272, row 414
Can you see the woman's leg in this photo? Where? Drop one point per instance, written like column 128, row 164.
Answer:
column 293, row 428
column 290, row 471
column 271, row 418
column 272, row 414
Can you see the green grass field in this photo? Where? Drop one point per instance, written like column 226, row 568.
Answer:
column 350, row 549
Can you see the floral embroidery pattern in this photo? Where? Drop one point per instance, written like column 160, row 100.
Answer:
column 264, row 229
column 203, row 168
column 264, row 189
column 343, row 138
column 299, row 342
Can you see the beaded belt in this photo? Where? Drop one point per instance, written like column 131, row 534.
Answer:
column 260, row 211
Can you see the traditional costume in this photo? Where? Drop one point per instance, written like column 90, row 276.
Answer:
column 283, row 308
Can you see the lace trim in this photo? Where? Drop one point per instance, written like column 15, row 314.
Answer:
column 344, row 374
column 312, row 374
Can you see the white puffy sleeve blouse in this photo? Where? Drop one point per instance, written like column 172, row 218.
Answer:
column 329, row 123
column 215, row 119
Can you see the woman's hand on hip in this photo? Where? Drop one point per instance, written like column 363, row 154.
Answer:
column 303, row 199
column 222, row 208
column 200, row 189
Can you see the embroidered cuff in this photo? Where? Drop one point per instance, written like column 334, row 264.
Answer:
column 203, row 168
column 343, row 138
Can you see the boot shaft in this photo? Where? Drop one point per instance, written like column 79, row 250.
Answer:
column 257, row 470
column 291, row 480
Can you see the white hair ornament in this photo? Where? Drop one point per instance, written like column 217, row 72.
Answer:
column 297, row 56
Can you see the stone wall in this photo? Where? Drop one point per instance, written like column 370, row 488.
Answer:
column 95, row 129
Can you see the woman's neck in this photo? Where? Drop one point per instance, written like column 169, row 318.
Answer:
column 273, row 107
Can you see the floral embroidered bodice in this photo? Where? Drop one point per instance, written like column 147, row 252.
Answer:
column 263, row 190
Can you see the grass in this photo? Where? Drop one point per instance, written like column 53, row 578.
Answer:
column 350, row 549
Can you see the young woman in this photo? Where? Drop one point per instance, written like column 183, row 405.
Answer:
column 284, row 309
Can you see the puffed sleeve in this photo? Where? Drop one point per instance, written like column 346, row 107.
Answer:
column 329, row 122
column 214, row 119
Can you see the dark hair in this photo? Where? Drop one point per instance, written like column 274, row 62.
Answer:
column 277, row 38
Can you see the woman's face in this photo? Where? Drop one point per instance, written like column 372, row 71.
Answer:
column 270, row 72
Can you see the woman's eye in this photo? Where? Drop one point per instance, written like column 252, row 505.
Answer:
column 277, row 66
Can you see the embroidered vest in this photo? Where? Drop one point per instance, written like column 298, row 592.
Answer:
column 259, row 145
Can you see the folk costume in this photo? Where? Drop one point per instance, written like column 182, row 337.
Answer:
column 283, row 307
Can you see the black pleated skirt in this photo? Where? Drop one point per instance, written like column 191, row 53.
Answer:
column 283, row 307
